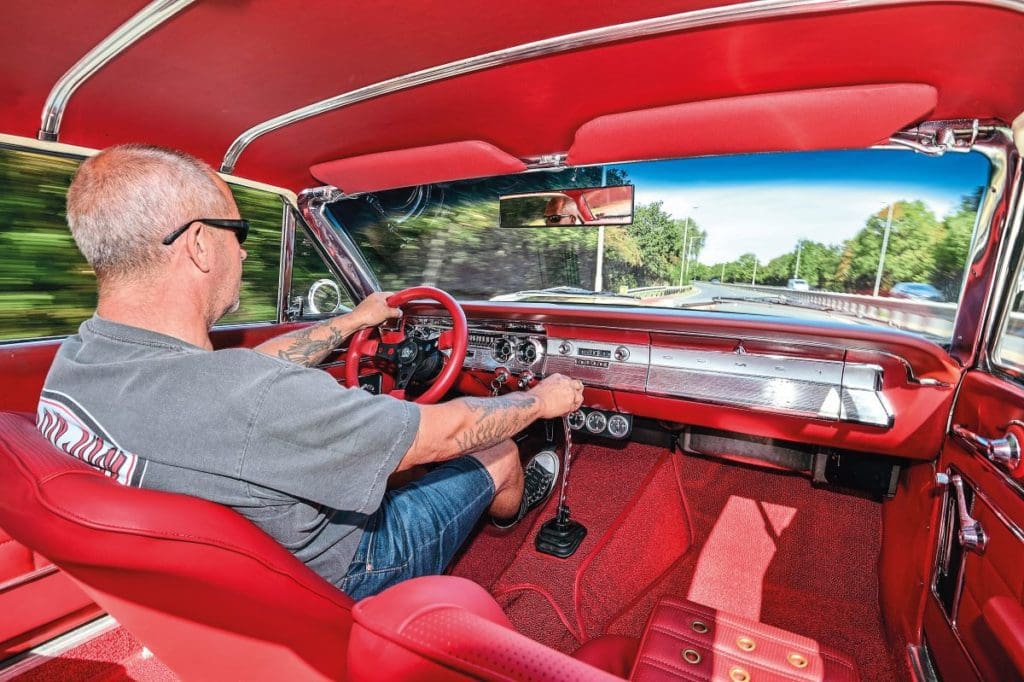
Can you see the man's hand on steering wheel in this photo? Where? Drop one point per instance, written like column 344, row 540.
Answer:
column 435, row 361
column 374, row 310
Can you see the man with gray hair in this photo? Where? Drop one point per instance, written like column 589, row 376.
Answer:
column 141, row 394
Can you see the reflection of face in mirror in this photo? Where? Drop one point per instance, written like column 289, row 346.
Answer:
column 561, row 210
column 568, row 207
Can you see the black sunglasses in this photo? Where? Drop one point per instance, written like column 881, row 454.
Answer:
column 557, row 218
column 240, row 228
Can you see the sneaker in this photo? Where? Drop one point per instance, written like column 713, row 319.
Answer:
column 540, row 475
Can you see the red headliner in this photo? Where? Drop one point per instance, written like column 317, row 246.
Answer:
column 220, row 67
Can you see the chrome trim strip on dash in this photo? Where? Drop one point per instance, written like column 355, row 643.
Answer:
column 644, row 28
column 126, row 35
column 826, row 389
column 607, row 365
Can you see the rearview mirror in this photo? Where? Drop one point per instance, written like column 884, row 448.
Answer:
column 591, row 206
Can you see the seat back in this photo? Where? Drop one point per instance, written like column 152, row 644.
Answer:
column 203, row 588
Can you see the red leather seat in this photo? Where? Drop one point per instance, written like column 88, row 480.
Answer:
column 207, row 591
column 215, row 598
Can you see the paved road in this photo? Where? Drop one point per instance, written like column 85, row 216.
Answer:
column 706, row 291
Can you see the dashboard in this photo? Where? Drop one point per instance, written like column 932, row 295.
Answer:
column 856, row 388
column 831, row 389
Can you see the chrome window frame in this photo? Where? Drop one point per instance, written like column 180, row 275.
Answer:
column 1010, row 270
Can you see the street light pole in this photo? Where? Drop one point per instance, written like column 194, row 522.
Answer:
column 682, row 254
column 598, row 271
column 799, row 250
column 753, row 278
column 885, row 246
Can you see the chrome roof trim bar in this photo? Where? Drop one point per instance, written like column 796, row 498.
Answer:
column 643, row 28
column 151, row 16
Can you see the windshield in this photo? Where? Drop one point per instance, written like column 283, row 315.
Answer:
column 813, row 235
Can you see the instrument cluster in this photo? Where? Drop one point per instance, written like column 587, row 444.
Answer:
column 489, row 350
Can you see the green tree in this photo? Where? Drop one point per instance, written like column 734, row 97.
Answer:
column 953, row 248
column 910, row 255
column 659, row 238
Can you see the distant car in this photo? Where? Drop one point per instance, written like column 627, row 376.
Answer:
column 798, row 285
column 715, row 280
column 920, row 291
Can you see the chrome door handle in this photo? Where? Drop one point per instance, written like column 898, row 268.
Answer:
column 1003, row 451
column 971, row 535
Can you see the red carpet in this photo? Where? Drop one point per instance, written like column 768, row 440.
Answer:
column 112, row 657
column 764, row 545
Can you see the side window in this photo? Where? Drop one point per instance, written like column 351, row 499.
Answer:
column 258, row 301
column 314, row 288
column 1009, row 349
column 46, row 287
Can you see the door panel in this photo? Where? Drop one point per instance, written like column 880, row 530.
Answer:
column 976, row 603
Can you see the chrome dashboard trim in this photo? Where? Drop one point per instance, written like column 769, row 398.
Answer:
column 595, row 363
column 835, row 390
column 124, row 36
column 643, row 28
column 827, row 389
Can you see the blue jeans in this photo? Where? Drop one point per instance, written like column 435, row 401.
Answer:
column 419, row 527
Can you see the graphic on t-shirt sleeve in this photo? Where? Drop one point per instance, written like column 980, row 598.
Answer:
column 70, row 427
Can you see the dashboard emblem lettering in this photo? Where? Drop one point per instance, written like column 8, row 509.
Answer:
column 582, row 362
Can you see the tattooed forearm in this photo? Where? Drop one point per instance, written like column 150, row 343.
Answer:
column 307, row 346
column 496, row 419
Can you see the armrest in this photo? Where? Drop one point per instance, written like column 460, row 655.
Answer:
column 1005, row 617
column 447, row 628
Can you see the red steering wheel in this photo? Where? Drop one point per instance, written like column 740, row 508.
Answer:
column 413, row 358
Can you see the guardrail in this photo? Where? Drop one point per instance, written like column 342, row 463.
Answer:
column 925, row 317
column 916, row 316
column 653, row 292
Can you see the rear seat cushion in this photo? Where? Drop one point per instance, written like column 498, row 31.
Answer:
column 687, row 641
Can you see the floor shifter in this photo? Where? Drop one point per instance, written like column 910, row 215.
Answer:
column 561, row 536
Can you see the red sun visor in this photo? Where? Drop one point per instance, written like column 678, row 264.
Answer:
column 801, row 120
column 416, row 166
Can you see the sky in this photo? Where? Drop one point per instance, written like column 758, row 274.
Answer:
column 764, row 203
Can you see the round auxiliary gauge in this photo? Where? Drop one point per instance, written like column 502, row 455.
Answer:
column 618, row 426
column 502, row 350
column 576, row 420
column 528, row 351
column 596, row 421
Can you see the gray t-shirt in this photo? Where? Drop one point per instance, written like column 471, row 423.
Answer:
column 285, row 446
